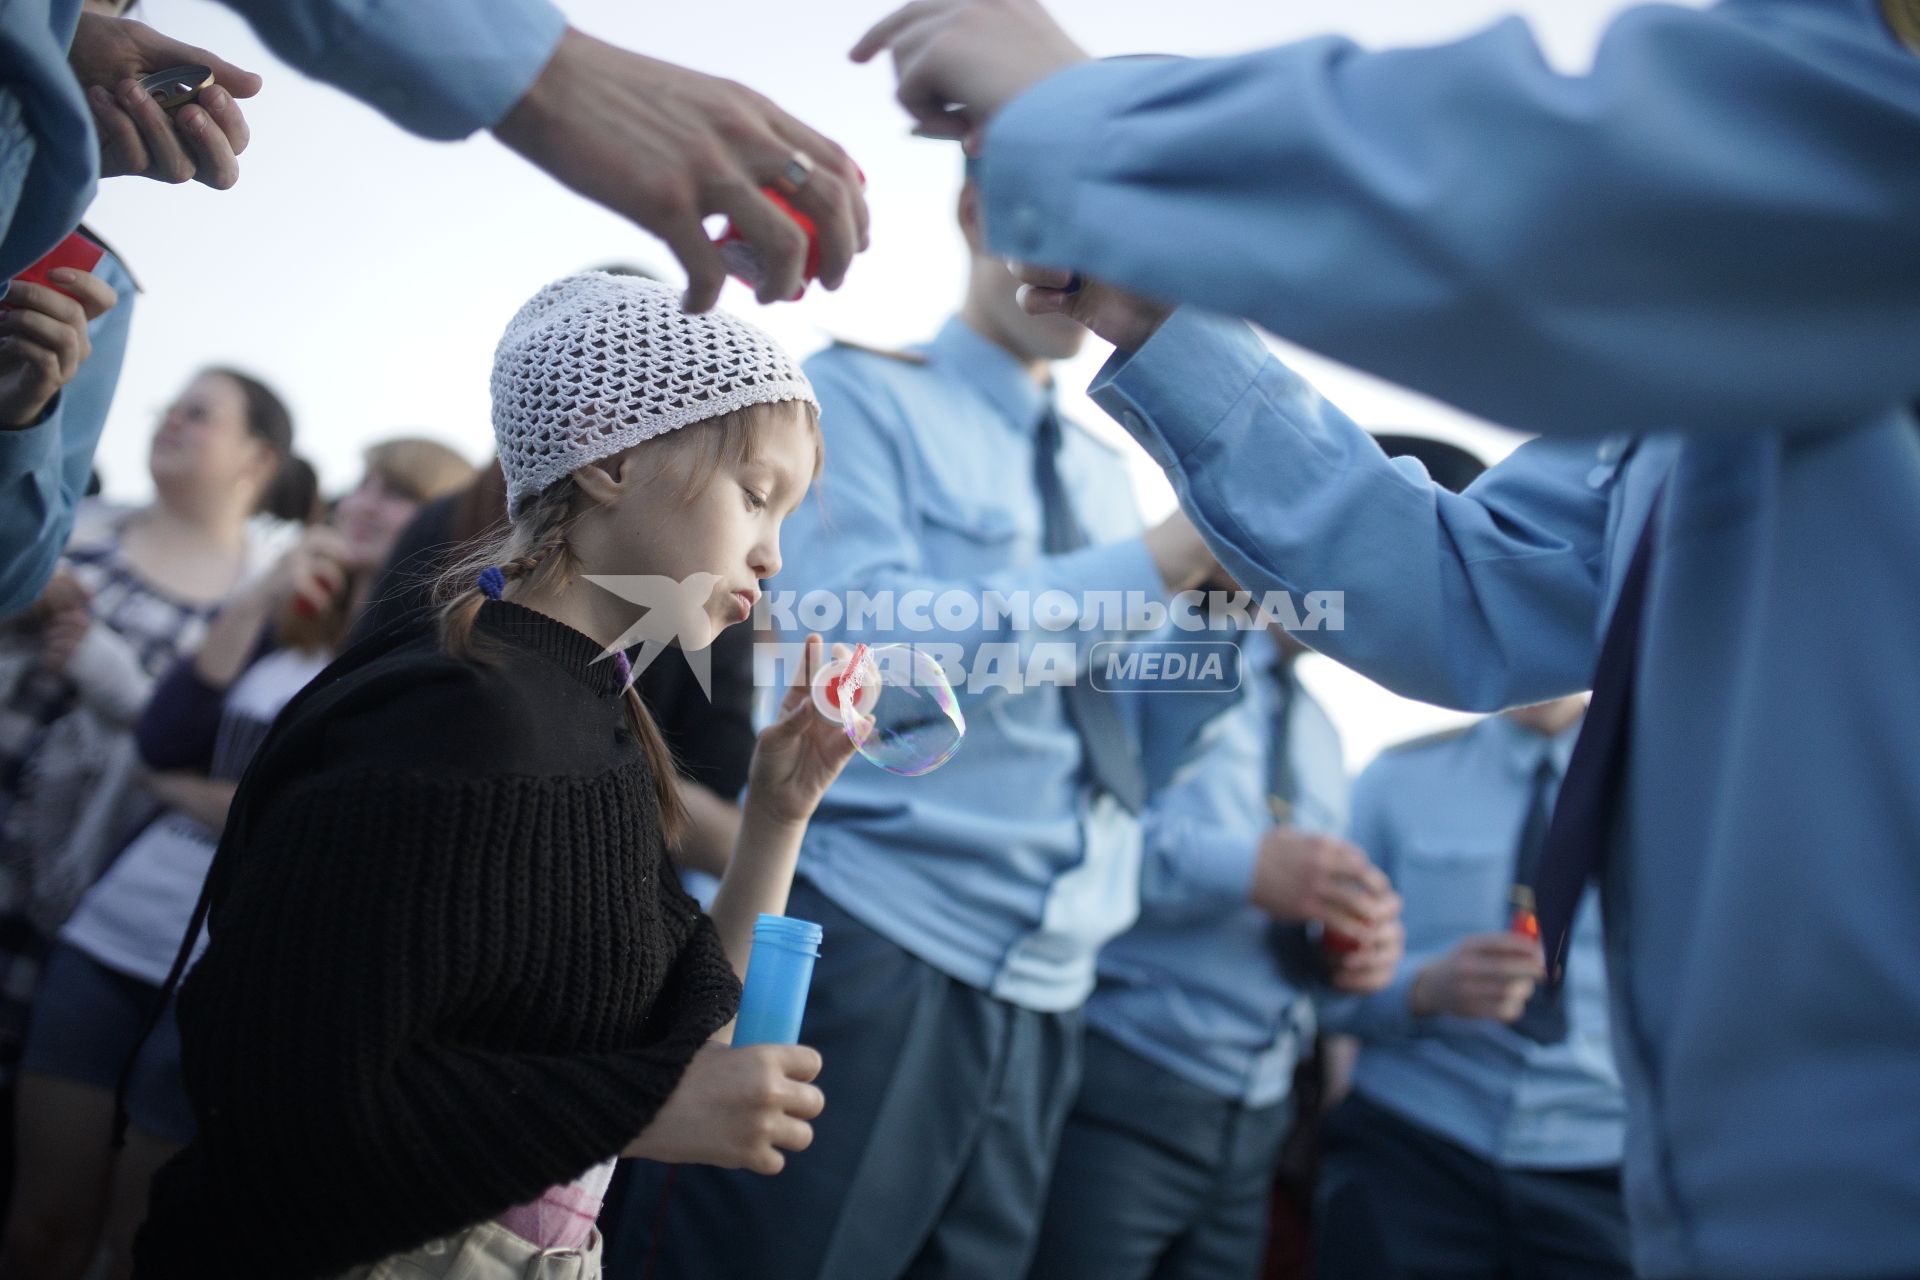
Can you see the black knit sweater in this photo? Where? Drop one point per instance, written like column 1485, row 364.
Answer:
column 449, row 967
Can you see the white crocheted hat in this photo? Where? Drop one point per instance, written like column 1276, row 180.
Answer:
column 594, row 364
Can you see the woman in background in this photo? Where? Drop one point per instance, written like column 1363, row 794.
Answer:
column 138, row 589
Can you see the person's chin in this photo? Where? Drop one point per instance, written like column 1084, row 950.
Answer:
column 1058, row 337
column 715, row 622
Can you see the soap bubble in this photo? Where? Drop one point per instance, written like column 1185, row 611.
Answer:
column 896, row 706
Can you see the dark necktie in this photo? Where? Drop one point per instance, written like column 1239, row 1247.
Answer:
column 1583, row 817
column 1107, row 748
column 1292, row 943
column 1545, row 1018
column 1283, row 787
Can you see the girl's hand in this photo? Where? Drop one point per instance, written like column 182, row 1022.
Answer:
column 801, row 753
column 737, row 1109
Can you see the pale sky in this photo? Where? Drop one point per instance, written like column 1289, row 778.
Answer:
column 366, row 274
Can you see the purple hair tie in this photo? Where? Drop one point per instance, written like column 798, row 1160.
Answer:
column 626, row 668
column 492, row 582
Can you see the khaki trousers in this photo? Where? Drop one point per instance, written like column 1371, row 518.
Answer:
column 486, row 1252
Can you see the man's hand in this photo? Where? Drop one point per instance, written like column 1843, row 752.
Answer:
column 666, row 147
column 43, row 339
column 199, row 142
column 1488, row 975
column 1371, row 961
column 1301, row 876
column 1125, row 319
column 959, row 61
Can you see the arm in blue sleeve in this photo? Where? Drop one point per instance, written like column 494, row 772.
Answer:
column 1194, row 868
column 1481, row 600
column 36, row 514
column 44, row 469
column 859, row 533
column 1384, row 1014
column 1197, row 860
column 439, row 68
column 1711, row 229
column 1201, row 832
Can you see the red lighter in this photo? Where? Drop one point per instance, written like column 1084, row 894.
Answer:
column 743, row 259
column 76, row 251
column 1335, row 943
column 1523, row 921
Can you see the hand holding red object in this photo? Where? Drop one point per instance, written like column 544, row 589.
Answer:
column 1489, row 975
column 44, row 339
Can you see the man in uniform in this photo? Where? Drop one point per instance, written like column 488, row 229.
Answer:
column 962, row 909
column 1206, row 1007
column 1701, row 256
column 1483, row 1132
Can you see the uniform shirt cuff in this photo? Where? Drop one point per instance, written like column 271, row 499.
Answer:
column 1193, row 863
column 28, row 449
column 1386, row 1014
column 1182, row 383
column 441, row 69
column 1027, row 181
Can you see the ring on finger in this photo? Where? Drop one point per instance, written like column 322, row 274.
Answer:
column 795, row 175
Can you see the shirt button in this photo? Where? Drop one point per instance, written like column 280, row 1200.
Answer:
column 1133, row 422
column 1610, row 449
column 1026, row 226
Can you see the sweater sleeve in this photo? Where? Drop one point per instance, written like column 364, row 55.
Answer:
column 370, row 1040
column 181, row 721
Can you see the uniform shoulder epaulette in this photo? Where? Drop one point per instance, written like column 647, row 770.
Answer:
column 901, row 354
column 1425, row 740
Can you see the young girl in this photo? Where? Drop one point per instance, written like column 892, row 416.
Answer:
column 103, row 977
column 451, row 976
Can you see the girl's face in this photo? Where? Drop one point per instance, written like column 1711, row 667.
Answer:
column 203, row 440
column 371, row 519
column 719, row 542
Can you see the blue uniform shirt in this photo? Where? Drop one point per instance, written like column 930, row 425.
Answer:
column 438, row 68
column 49, row 158
column 1443, row 818
column 1196, row 987
column 1710, row 234
column 44, row 468
column 998, row 868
